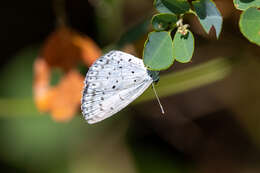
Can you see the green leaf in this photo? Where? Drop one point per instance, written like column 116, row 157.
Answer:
column 164, row 21
column 158, row 52
column 183, row 47
column 249, row 24
column 245, row 4
column 208, row 15
column 172, row 6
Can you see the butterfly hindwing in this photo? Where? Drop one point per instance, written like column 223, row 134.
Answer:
column 112, row 82
column 114, row 103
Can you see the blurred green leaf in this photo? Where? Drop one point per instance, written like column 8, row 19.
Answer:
column 22, row 107
column 174, row 6
column 250, row 24
column 164, row 21
column 134, row 33
column 16, row 77
column 183, row 47
column 158, row 52
column 35, row 141
column 38, row 142
column 208, row 15
column 109, row 20
column 190, row 78
column 244, row 4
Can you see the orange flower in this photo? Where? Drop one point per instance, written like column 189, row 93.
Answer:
column 63, row 49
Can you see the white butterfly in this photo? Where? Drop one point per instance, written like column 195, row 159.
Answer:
column 113, row 82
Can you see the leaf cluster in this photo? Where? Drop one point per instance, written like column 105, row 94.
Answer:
column 171, row 39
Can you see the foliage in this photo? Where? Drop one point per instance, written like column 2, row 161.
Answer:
column 158, row 56
column 183, row 47
column 249, row 20
column 244, row 4
column 164, row 21
column 171, row 14
column 208, row 15
column 249, row 24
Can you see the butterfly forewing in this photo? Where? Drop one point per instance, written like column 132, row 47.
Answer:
column 112, row 82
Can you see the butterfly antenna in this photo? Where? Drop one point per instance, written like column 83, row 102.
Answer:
column 158, row 98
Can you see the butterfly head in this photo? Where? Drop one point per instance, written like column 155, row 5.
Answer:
column 154, row 75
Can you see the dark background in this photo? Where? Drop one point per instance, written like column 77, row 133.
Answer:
column 213, row 128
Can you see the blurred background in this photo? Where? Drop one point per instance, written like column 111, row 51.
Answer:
column 212, row 104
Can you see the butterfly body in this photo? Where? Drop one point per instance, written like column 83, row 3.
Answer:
column 113, row 82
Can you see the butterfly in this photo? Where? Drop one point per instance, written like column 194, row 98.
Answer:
column 112, row 82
